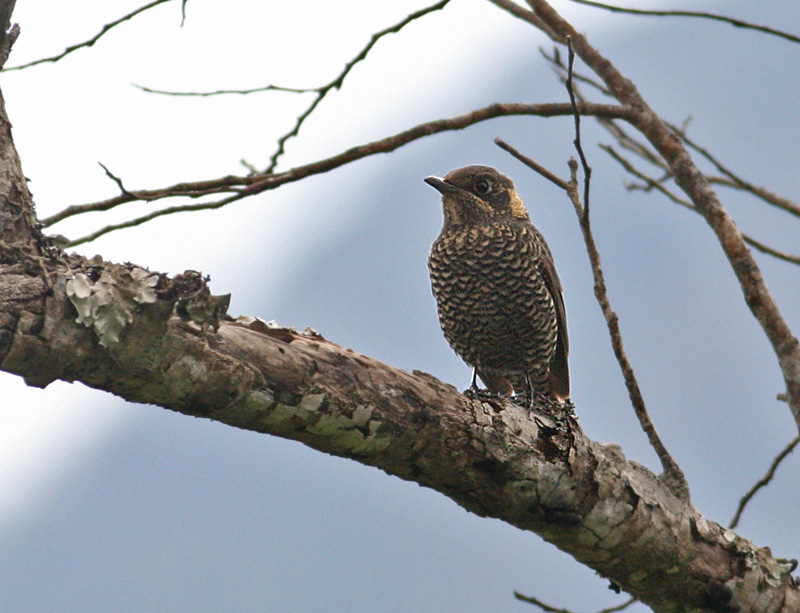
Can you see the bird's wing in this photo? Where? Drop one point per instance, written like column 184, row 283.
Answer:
column 559, row 368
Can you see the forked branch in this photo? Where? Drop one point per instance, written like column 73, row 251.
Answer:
column 234, row 188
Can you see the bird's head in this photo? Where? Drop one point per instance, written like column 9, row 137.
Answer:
column 476, row 194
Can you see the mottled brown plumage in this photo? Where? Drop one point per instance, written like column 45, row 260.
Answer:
column 496, row 287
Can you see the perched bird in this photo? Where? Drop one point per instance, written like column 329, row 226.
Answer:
column 496, row 288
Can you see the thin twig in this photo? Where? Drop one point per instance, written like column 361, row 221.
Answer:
column 763, row 482
column 587, row 170
column 225, row 92
column 766, row 249
column 553, row 178
column 117, row 180
column 337, row 82
column 764, row 194
column 699, row 14
column 132, row 223
column 649, row 182
column 104, row 30
column 673, row 475
column 635, row 146
column 654, row 184
column 549, row 609
column 544, row 607
column 561, row 70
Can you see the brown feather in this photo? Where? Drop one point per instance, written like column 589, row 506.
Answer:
column 497, row 291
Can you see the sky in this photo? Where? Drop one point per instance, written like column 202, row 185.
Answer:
column 109, row 505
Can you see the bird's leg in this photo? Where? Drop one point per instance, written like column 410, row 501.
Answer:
column 527, row 396
column 528, row 393
column 496, row 385
column 531, row 397
column 473, row 390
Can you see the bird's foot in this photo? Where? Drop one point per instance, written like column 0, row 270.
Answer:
column 531, row 398
column 482, row 394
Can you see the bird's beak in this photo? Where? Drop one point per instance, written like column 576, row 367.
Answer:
column 440, row 184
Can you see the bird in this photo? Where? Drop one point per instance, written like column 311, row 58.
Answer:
column 498, row 296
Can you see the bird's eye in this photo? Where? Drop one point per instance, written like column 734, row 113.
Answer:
column 482, row 187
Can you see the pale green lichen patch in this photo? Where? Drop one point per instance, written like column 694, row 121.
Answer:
column 258, row 403
column 311, row 403
column 280, row 414
column 361, row 416
column 106, row 304
column 348, row 431
column 355, row 433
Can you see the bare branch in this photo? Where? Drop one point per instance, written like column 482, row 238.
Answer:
column 222, row 92
column 699, row 14
column 104, row 30
column 552, row 177
column 736, row 181
column 249, row 185
column 527, row 15
column 549, row 609
column 339, row 80
column 730, row 179
column 132, row 223
column 649, row 184
column 763, row 482
column 544, row 607
column 766, row 249
column 116, row 180
column 640, row 149
column 561, row 70
column 673, row 475
column 587, row 170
